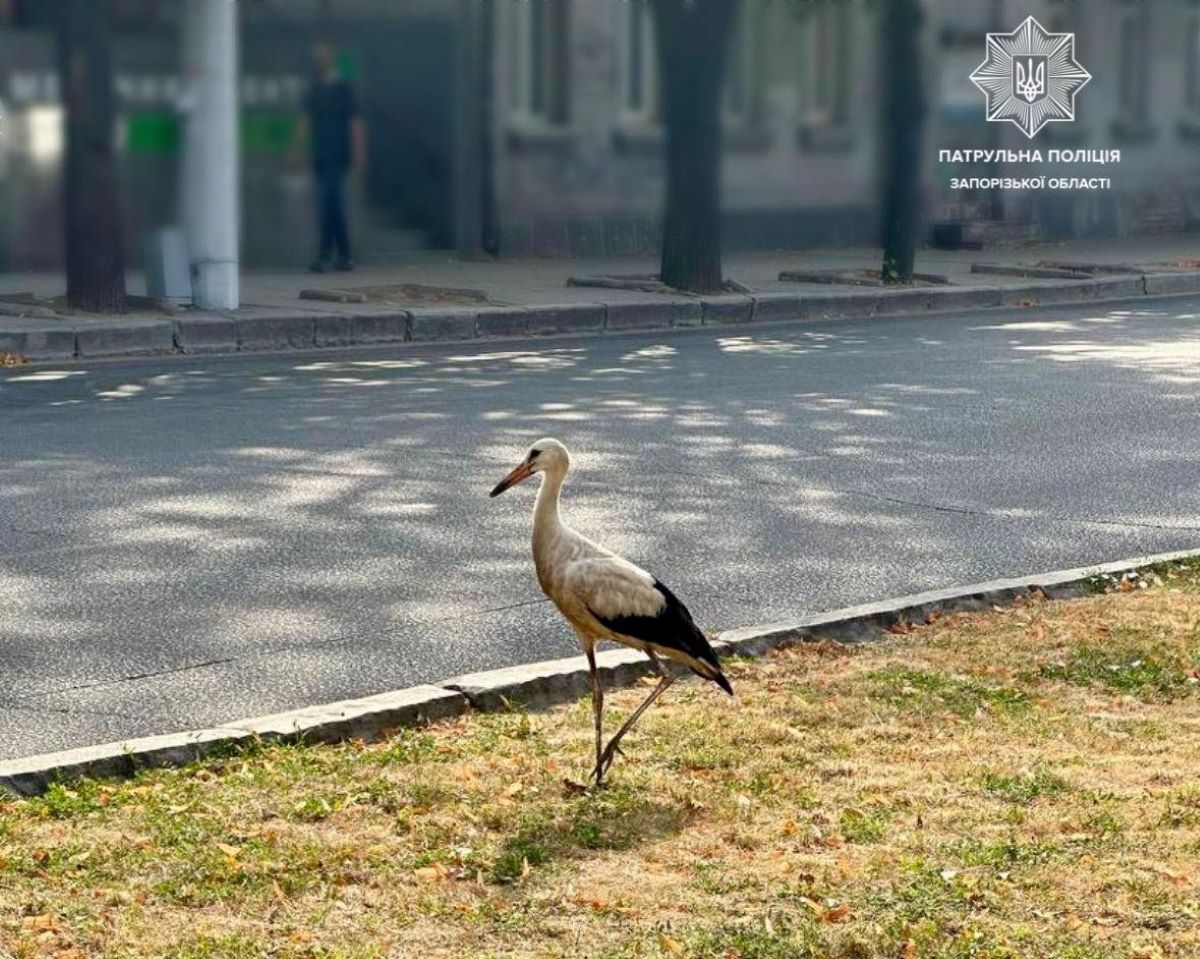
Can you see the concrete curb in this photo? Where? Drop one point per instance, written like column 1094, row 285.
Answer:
column 370, row 717
column 45, row 340
column 548, row 683
column 536, row 685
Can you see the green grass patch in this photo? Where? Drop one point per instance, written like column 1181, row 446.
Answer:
column 1023, row 788
column 927, row 891
column 1002, row 854
column 859, row 826
column 776, row 937
column 1126, row 666
column 1182, row 808
column 82, row 797
column 518, row 855
column 963, row 696
column 406, row 747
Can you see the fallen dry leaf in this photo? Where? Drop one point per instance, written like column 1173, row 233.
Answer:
column 431, row 873
column 836, row 914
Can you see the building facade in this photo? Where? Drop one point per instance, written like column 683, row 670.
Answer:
column 533, row 127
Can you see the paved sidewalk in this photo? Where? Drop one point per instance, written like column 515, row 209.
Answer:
column 433, row 297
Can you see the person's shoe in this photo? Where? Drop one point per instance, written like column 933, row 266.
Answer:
column 345, row 265
column 318, row 266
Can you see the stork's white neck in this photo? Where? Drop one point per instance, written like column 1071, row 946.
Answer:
column 546, row 519
column 547, row 528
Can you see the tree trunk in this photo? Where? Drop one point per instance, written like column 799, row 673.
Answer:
column 903, row 125
column 95, row 259
column 692, row 39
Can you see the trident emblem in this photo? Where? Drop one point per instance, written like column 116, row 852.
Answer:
column 1030, row 77
column 1030, row 80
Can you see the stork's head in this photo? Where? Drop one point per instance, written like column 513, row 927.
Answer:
column 545, row 456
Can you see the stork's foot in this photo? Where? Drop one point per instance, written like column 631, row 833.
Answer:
column 596, row 776
column 611, row 751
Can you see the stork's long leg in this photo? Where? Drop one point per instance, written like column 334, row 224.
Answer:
column 610, row 751
column 597, row 701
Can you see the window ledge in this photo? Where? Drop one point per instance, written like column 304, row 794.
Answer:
column 822, row 137
column 747, row 136
column 1132, row 130
column 1067, row 133
column 635, row 135
column 532, row 133
column 1189, row 128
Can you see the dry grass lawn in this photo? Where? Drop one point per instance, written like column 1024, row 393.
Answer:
column 1017, row 783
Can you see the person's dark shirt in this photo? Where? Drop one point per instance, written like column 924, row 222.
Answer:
column 330, row 107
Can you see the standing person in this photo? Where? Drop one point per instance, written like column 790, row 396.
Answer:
column 338, row 141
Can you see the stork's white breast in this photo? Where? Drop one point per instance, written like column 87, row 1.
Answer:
column 586, row 580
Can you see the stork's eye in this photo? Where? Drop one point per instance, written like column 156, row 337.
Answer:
column 533, row 454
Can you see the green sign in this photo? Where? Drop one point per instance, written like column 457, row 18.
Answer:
column 160, row 132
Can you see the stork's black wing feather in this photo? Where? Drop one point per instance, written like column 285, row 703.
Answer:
column 672, row 628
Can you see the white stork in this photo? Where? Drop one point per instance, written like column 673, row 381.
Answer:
column 606, row 597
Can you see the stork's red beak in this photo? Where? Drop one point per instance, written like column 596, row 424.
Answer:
column 518, row 475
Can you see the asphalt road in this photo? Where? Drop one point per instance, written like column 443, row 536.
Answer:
column 190, row 541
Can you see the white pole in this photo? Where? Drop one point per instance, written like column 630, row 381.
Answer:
column 210, row 162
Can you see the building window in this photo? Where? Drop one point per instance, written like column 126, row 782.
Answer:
column 1132, row 64
column 1133, row 73
column 827, row 72
column 1191, row 59
column 1189, row 122
column 1067, row 16
column 745, row 70
column 1191, row 64
column 641, row 96
column 540, row 62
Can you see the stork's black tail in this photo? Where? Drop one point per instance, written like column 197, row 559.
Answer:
column 694, row 642
column 721, row 681
column 672, row 631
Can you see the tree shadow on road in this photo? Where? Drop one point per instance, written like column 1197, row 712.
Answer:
column 312, row 527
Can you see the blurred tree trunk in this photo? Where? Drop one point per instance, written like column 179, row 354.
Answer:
column 903, row 124
column 92, row 209
column 692, row 37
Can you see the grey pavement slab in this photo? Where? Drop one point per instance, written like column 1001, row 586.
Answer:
column 543, row 280
column 517, row 298
column 191, row 541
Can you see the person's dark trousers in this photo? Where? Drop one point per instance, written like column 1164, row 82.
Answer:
column 331, row 211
